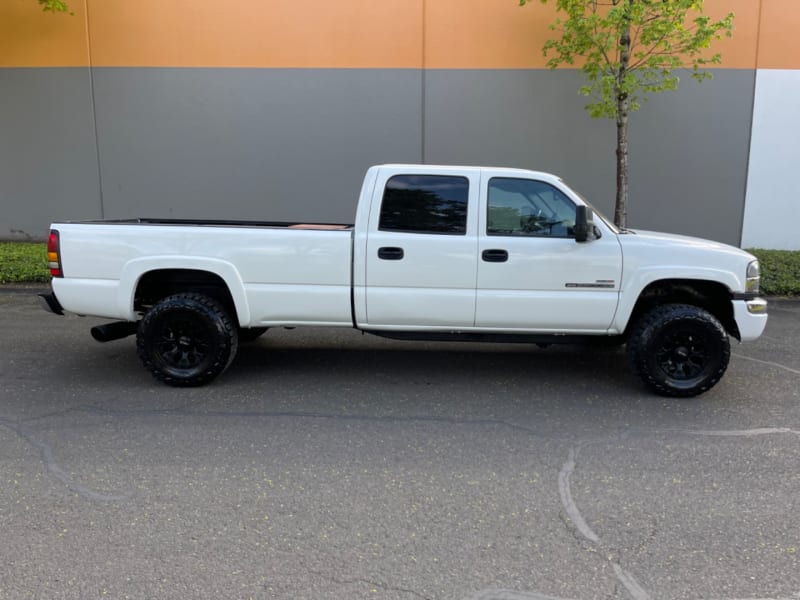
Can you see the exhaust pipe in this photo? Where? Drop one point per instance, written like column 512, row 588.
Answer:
column 114, row 331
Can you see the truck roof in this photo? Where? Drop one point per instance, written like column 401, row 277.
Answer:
column 496, row 171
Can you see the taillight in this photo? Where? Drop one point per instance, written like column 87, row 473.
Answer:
column 54, row 254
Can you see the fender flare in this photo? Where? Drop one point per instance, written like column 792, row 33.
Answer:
column 135, row 269
column 636, row 285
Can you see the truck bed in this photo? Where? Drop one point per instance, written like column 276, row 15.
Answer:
column 283, row 272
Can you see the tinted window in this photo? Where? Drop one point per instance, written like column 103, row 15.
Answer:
column 527, row 207
column 425, row 204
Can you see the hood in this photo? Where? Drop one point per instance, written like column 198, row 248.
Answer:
column 658, row 239
column 651, row 255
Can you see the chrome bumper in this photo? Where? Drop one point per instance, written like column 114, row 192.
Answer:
column 751, row 317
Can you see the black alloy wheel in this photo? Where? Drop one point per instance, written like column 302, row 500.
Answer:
column 682, row 354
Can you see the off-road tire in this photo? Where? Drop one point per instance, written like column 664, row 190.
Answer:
column 187, row 340
column 678, row 350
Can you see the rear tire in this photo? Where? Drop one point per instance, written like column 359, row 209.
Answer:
column 186, row 340
column 679, row 350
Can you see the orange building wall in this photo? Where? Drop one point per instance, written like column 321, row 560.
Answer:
column 460, row 34
column 778, row 39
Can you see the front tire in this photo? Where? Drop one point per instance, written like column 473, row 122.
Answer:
column 679, row 350
column 186, row 340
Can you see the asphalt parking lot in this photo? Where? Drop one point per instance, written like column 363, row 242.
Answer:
column 326, row 465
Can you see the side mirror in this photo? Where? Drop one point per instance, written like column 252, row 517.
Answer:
column 584, row 224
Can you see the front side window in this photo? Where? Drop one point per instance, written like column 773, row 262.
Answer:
column 425, row 204
column 524, row 207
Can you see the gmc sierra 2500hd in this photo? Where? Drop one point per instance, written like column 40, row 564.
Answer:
column 436, row 252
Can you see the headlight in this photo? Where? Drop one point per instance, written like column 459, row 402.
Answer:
column 753, row 279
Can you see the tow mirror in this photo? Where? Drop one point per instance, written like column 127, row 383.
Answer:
column 584, row 224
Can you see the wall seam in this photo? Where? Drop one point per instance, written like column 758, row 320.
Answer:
column 93, row 107
column 423, row 85
column 752, row 120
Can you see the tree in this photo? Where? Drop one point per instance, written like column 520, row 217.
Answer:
column 628, row 49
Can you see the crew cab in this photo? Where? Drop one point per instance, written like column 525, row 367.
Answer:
column 436, row 252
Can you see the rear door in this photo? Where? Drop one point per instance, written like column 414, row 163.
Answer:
column 421, row 249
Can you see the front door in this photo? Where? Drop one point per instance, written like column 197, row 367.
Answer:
column 532, row 275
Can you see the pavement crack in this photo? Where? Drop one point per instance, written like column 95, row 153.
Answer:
column 50, row 415
column 742, row 432
column 636, row 591
column 55, row 470
column 767, row 362
column 566, row 498
column 584, row 534
column 181, row 411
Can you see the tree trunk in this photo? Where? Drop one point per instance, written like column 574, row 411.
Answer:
column 623, row 108
column 621, row 205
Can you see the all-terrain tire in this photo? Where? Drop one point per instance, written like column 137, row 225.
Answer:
column 187, row 340
column 678, row 350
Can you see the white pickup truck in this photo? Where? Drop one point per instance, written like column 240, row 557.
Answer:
column 441, row 253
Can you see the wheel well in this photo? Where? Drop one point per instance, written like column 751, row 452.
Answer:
column 155, row 285
column 709, row 295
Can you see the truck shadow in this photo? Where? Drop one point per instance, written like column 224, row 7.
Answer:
column 334, row 359
column 376, row 362
column 343, row 375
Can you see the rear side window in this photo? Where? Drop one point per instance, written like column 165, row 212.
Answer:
column 425, row 204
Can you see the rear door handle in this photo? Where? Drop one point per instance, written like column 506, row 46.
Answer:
column 391, row 253
column 494, row 255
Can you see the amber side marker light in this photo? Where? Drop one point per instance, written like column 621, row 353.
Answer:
column 53, row 254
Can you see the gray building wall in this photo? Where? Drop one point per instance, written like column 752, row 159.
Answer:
column 293, row 144
column 48, row 155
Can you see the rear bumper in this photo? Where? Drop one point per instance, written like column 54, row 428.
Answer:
column 51, row 303
column 751, row 317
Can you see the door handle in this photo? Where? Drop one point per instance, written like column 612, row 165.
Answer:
column 494, row 255
column 390, row 253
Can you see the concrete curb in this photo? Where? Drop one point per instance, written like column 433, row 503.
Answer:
column 23, row 288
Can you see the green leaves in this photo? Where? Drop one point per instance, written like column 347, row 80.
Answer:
column 628, row 49
column 23, row 262
column 54, row 6
column 780, row 271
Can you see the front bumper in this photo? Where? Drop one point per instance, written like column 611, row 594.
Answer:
column 51, row 303
column 751, row 317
